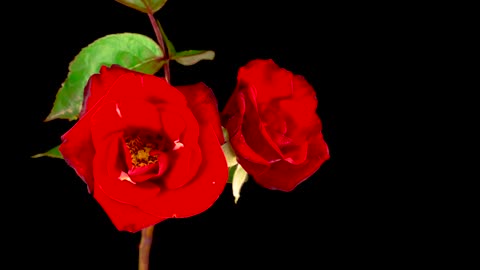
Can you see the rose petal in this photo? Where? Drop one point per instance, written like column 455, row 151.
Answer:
column 191, row 133
column 295, row 154
column 302, row 110
column 99, row 84
column 131, row 85
column 125, row 217
column 184, row 165
column 108, row 166
column 172, row 123
column 195, row 161
column 79, row 137
column 203, row 103
column 273, row 81
column 135, row 115
column 254, row 131
column 152, row 171
column 202, row 191
column 233, row 124
column 177, row 124
column 126, row 154
column 273, row 121
column 286, row 176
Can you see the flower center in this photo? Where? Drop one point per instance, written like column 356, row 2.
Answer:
column 144, row 149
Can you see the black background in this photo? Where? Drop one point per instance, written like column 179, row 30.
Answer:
column 341, row 216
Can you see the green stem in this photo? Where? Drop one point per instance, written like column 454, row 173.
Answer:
column 158, row 34
column 144, row 248
column 147, row 233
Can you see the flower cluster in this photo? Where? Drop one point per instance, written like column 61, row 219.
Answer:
column 148, row 150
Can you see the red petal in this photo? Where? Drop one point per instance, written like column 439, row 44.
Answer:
column 202, row 191
column 204, row 106
column 113, row 118
column 295, row 154
column 125, row 217
column 266, row 76
column 300, row 112
column 148, row 172
column 243, row 151
column 108, row 167
column 254, row 131
column 286, row 176
column 132, row 85
column 184, row 165
column 79, row 137
column 99, row 84
column 172, row 123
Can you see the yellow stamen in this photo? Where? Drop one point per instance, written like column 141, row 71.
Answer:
column 140, row 151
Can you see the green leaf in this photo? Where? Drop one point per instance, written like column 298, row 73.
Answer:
column 53, row 153
column 144, row 5
column 237, row 176
column 186, row 58
column 190, row 57
column 130, row 50
column 170, row 48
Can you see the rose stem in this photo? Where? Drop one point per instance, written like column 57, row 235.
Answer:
column 144, row 249
column 147, row 233
column 158, row 34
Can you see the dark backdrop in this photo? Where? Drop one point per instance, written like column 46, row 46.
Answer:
column 333, row 217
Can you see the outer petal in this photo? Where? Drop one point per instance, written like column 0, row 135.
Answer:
column 286, row 176
column 99, row 84
column 147, row 87
column 233, row 121
column 78, row 152
column 177, row 123
column 184, row 165
column 204, row 106
column 202, row 191
column 254, row 132
column 116, row 117
column 117, row 83
column 125, row 217
column 300, row 109
column 269, row 79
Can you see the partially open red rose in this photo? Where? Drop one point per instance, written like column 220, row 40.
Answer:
column 146, row 150
column 273, row 126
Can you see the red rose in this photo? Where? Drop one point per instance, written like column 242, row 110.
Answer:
column 146, row 150
column 273, row 126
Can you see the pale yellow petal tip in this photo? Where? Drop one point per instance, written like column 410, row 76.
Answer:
column 228, row 151
column 230, row 156
column 118, row 110
column 125, row 177
column 240, row 176
column 177, row 145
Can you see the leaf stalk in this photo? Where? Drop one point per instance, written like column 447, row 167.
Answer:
column 158, row 35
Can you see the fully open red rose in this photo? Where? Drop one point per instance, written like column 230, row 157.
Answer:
column 273, row 126
column 146, row 150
